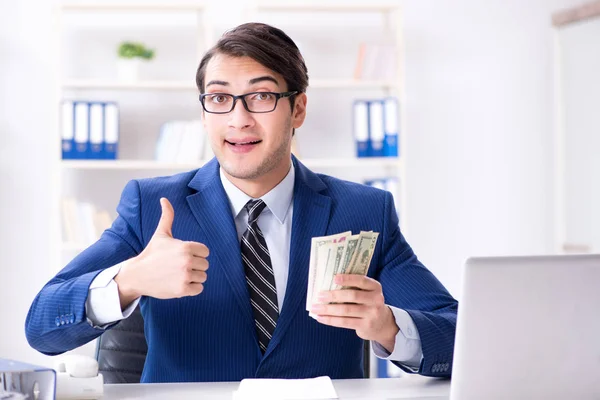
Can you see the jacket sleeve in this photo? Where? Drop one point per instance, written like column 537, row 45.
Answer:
column 56, row 321
column 408, row 285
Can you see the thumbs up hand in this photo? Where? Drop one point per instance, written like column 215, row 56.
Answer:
column 167, row 268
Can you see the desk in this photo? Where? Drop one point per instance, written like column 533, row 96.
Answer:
column 407, row 387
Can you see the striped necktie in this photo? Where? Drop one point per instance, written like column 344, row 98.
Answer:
column 259, row 276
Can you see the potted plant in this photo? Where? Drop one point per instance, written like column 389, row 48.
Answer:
column 130, row 56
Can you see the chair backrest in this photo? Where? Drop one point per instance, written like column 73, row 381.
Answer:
column 121, row 351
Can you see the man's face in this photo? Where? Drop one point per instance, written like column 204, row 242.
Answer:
column 250, row 145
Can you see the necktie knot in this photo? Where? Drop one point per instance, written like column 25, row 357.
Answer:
column 254, row 208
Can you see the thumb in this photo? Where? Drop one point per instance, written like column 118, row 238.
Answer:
column 166, row 219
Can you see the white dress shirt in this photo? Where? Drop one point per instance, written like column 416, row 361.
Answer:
column 103, row 306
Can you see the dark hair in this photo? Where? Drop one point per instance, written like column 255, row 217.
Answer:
column 265, row 44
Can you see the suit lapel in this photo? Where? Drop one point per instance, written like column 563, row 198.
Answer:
column 210, row 207
column 310, row 219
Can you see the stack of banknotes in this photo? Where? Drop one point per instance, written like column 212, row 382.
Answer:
column 342, row 253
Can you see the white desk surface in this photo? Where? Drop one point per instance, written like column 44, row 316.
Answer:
column 406, row 387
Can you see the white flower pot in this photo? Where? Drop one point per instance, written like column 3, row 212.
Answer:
column 128, row 69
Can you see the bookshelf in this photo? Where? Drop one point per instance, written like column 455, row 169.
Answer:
column 167, row 91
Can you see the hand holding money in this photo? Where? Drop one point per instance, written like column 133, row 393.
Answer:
column 339, row 292
column 343, row 253
column 362, row 308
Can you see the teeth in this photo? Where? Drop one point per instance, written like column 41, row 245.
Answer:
column 247, row 142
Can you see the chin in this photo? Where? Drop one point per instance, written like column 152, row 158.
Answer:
column 241, row 170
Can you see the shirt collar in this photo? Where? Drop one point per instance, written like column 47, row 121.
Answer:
column 278, row 199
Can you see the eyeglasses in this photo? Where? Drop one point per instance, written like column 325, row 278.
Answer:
column 255, row 102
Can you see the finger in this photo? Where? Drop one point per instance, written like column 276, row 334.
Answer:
column 358, row 281
column 197, row 264
column 346, row 296
column 165, row 224
column 341, row 310
column 197, row 249
column 340, row 322
column 198, row 276
column 194, row 289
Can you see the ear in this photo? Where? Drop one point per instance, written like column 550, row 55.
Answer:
column 203, row 118
column 299, row 111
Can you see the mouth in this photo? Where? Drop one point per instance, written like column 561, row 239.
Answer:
column 243, row 146
column 247, row 143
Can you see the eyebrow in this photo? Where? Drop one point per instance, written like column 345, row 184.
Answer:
column 251, row 81
column 263, row 78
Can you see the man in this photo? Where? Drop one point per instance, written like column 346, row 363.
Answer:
column 250, row 214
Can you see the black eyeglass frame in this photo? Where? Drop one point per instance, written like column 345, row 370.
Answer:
column 242, row 97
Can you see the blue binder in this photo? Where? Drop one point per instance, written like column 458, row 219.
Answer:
column 376, row 129
column 361, row 127
column 391, row 127
column 67, row 129
column 111, row 131
column 81, row 130
column 95, row 150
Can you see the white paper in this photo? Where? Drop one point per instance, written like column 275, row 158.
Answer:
column 286, row 389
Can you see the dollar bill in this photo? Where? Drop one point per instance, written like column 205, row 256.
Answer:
column 363, row 254
column 349, row 252
column 334, row 263
column 321, row 251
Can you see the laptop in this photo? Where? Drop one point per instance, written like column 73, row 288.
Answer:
column 528, row 328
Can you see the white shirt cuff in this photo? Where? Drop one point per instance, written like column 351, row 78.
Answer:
column 407, row 347
column 103, row 305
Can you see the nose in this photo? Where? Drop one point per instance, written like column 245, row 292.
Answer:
column 239, row 117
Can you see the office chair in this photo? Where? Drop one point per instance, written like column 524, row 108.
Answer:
column 121, row 351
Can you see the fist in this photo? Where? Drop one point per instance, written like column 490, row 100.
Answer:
column 168, row 267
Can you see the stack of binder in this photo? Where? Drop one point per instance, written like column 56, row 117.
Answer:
column 376, row 127
column 89, row 130
column 25, row 381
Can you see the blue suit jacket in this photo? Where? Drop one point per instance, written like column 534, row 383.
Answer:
column 211, row 337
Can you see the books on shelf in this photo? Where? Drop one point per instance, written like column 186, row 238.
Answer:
column 83, row 223
column 376, row 127
column 376, row 61
column 89, row 130
column 182, row 142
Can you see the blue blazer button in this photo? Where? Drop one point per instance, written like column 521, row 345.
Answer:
column 57, row 321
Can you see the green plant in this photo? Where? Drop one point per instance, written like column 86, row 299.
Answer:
column 131, row 50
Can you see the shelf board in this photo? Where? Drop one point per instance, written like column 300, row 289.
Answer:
column 351, row 162
column 324, row 7
column 141, row 85
column 131, row 7
column 128, row 164
column 155, row 165
column 189, row 85
column 350, row 84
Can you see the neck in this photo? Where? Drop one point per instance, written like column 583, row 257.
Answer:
column 262, row 185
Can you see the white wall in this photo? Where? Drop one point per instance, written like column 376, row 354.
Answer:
column 479, row 110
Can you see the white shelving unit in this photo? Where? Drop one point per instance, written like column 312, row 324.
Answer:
column 345, row 86
column 79, row 174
